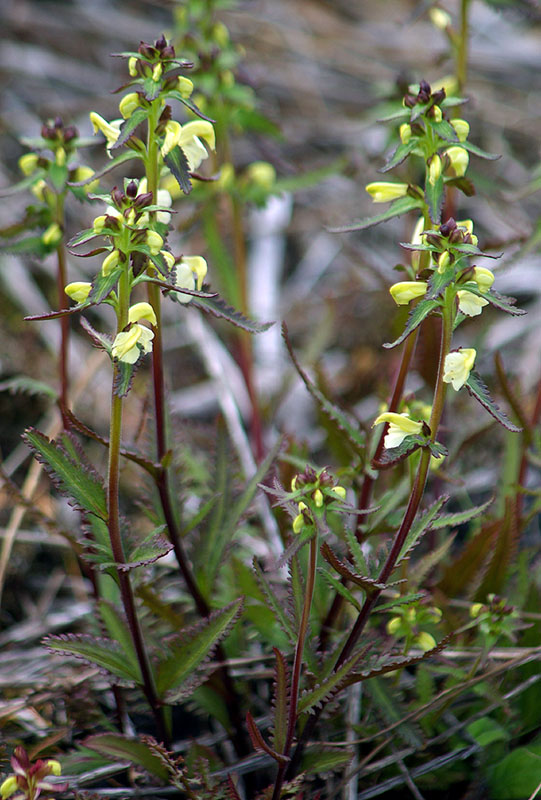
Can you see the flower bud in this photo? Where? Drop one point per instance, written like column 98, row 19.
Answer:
column 394, row 625
column 99, row 223
column 466, row 223
column 406, row 291
column 405, row 133
column 459, row 160
column 55, row 767
column 462, row 128
column 157, row 72
column 53, row 235
column 318, row 498
column 298, row 523
column 439, row 18
column 28, row 163
column 128, row 104
column 434, row 169
column 262, row 174
column 60, row 157
column 435, row 113
column 448, row 226
column 424, row 92
column 154, row 241
column 173, row 132
column 8, row 787
column 184, row 86
column 383, row 192
column 132, row 66
column 409, row 101
column 340, row 491
column 110, row 262
column 444, row 259
column 82, row 174
column 78, row 291
column 425, row 641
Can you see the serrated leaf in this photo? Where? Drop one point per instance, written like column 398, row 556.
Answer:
column 438, row 282
column 273, row 604
column 118, row 630
column 444, row 130
column 460, row 517
column 176, row 95
column 478, row 389
column 280, row 716
column 129, row 125
column 84, row 236
column 340, row 588
column 417, row 314
column 394, row 455
column 317, row 760
column 217, row 307
column 31, row 244
column 399, row 207
column 345, row 424
column 101, row 340
column 123, row 376
column 400, row 600
column 103, row 285
column 29, row 386
column 104, row 653
column 178, row 164
column 70, row 476
column 327, row 688
column 399, row 155
column 422, row 524
column 367, row 584
column 259, row 742
column 115, row 746
column 500, row 301
column 116, row 162
column 355, row 549
column 477, row 151
column 153, row 547
column 187, row 653
column 434, row 194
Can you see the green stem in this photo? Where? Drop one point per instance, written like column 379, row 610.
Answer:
column 61, row 280
column 462, row 48
column 297, row 665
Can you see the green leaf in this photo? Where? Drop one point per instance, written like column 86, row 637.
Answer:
column 280, row 702
column 187, row 652
column 124, row 375
column 518, row 775
column 85, row 236
column 346, row 425
column 477, row 388
column 31, row 244
column 103, row 285
column 500, row 301
column 58, row 176
column 20, row 186
column 329, row 687
column 416, row 316
column 29, row 386
column 339, row 587
column 367, row 584
column 104, row 653
column 317, row 760
column 486, row 730
column 421, row 525
column 174, row 94
column 69, row 474
column 178, row 164
column 129, row 125
column 444, row 130
column 217, row 307
column 399, row 207
column 118, row 747
column 115, row 162
column 477, row 151
column 394, row 455
column 434, row 194
column 118, row 630
column 274, row 604
column 438, row 282
column 400, row 154
column 460, row 517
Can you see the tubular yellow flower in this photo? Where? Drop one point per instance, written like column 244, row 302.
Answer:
column 340, row 491
column 470, row 304
column 8, row 787
column 444, row 259
column 142, row 311
column 82, row 174
column 459, row 159
column 383, row 192
column 157, row 72
column 28, row 163
column 462, row 129
column 53, row 235
column 155, row 242
column 129, row 345
column 111, row 130
column 190, row 273
column 132, row 66
column 484, row 278
column 400, row 426
column 172, row 136
column 128, row 104
column 110, row 262
column 457, row 367
column 394, row 625
column 39, row 189
column 169, row 258
column 405, row 133
column 78, row 290
column 184, row 86
column 190, row 140
column 318, row 498
column 406, row 291
column 262, row 174
column 466, row 223
column 434, row 170
column 55, row 767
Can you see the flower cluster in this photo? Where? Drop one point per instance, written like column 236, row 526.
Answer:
column 409, row 622
column 317, row 490
column 30, row 781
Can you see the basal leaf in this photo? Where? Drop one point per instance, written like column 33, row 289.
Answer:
column 416, row 316
column 104, row 653
column 399, row 207
column 118, row 747
column 460, row 517
column 187, row 653
column 280, row 702
column 217, row 307
column 70, row 476
column 329, row 687
column 478, row 389
column 178, row 164
column 259, row 742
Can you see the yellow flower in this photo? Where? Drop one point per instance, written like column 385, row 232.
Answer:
column 439, row 18
column 466, row 223
column 405, row 133
column 111, row 130
column 55, row 767
column 444, row 259
column 110, row 262
column 172, row 136
column 437, row 116
column 28, row 163
column 129, row 345
column 142, row 311
column 459, row 159
column 82, row 174
column 434, row 170
column 190, row 273
column 128, row 104
column 155, row 242
column 406, row 291
column 262, row 174
column 457, row 367
column 184, row 86
column 60, row 157
column 462, row 129
column 400, row 426
column 8, row 787
column 78, row 290
column 484, row 278
column 470, row 304
column 383, row 192
column 39, row 189
column 190, row 141
column 132, row 66
column 164, row 199
column 424, row 641
column 157, row 72
column 53, row 235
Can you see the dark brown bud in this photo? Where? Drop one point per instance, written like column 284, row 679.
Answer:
column 143, row 200
column 118, row 196
column 138, row 262
column 58, row 123
column 409, row 100
column 168, row 53
column 456, row 236
column 70, row 133
column 161, row 43
column 438, row 96
column 424, row 92
column 131, row 189
column 112, row 223
column 147, row 51
column 139, row 237
column 433, row 239
column 447, row 227
column 48, row 132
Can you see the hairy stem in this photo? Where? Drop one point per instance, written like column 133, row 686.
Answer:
column 61, row 280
